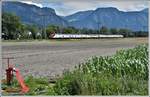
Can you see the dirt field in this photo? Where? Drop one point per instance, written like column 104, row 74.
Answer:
column 49, row 58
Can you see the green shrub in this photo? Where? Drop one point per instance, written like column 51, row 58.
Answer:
column 39, row 86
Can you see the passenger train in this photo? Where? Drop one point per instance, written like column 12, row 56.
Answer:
column 84, row 36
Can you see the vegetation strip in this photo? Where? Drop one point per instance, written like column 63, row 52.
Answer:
column 14, row 29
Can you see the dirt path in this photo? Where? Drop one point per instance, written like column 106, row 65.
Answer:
column 48, row 58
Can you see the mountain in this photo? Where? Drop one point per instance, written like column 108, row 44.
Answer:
column 31, row 14
column 111, row 18
column 78, row 16
column 91, row 19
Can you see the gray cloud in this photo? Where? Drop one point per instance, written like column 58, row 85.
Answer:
column 66, row 7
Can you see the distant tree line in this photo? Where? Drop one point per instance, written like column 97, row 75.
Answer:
column 13, row 29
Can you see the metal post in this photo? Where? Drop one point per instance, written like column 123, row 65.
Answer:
column 44, row 23
column 9, row 71
column 45, row 27
column 8, row 58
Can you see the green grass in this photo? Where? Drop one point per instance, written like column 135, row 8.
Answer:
column 125, row 73
column 37, row 86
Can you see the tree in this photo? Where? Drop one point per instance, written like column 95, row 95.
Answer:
column 33, row 29
column 125, row 32
column 51, row 29
column 104, row 30
column 23, row 34
column 11, row 25
column 70, row 30
column 113, row 31
column 141, row 34
column 83, row 31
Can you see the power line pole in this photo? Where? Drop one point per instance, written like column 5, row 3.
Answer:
column 44, row 23
column 44, row 26
column 98, row 26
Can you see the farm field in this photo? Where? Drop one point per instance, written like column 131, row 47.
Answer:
column 49, row 58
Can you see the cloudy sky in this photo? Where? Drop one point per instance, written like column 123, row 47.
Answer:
column 67, row 7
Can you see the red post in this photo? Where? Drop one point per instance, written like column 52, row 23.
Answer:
column 9, row 75
column 9, row 71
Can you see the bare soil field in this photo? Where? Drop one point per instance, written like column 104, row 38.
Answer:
column 49, row 58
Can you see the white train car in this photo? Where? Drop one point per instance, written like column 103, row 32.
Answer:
column 72, row 36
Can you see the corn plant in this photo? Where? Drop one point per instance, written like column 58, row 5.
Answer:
column 125, row 73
